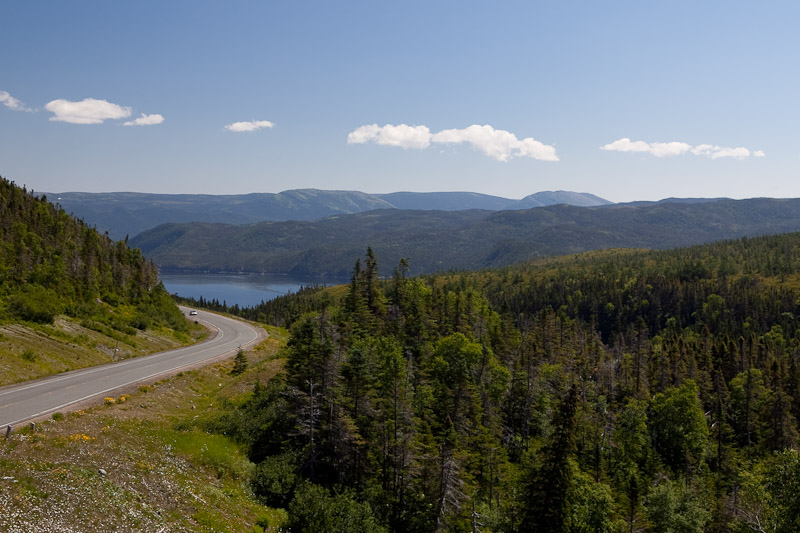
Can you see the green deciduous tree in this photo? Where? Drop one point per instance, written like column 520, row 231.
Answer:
column 678, row 427
column 673, row 507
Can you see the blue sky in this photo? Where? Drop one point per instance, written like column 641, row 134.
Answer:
column 626, row 100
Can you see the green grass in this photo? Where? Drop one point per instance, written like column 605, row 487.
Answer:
column 214, row 452
column 29, row 351
column 162, row 471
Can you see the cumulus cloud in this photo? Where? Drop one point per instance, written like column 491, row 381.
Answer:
column 146, row 120
column 657, row 149
column 252, row 125
column 498, row 144
column 402, row 135
column 715, row 152
column 87, row 111
column 12, row 103
column 669, row 149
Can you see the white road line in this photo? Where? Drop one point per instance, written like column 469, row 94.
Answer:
column 215, row 348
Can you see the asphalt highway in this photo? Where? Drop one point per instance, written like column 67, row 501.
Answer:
column 30, row 400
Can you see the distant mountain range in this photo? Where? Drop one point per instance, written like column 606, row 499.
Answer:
column 124, row 214
column 468, row 239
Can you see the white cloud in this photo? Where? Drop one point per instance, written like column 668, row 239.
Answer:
column 669, row 149
column 12, row 103
column 253, row 125
column 87, row 111
column 626, row 145
column 498, row 144
column 402, row 135
column 715, row 152
column 656, row 149
column 146, row 120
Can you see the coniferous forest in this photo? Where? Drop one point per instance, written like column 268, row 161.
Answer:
column 52, row 264
column 611, row 391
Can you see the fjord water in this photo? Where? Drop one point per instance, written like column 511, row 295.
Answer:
column 246, row 290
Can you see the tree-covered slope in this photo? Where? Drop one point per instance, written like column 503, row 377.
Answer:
column 439, row 240
column 52, row 264
column 325, row 247
column 612, row 391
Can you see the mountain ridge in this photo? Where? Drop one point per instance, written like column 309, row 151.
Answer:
column 444, row 240
column 124, row 214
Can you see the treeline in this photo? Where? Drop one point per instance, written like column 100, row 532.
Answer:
column 614, row 391
column 52, row 263
column 282, row 311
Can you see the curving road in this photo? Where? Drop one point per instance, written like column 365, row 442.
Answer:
column 27, row 401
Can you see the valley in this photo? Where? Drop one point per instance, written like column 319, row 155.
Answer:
column 529, row 363
column 399, row 267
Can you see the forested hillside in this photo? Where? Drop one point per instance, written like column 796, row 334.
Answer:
column 440, row 240
column 611, row 391
column 51, row 264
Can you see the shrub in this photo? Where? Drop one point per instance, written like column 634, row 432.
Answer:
column 275, row 480
column 36, row 304
column 315, row 509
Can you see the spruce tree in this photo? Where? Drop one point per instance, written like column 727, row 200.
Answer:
column 548, row 494
column 239, row 363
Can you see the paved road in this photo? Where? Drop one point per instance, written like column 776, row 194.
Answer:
column 26, row 401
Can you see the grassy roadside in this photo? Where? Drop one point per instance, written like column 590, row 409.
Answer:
column 138, row 463
column 30, row 350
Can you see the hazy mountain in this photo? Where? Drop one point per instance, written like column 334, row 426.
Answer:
column 457, row 201
column 127, row 213
column 446, row 201
column 474, row 239
column 545, row 198
column 673, row 201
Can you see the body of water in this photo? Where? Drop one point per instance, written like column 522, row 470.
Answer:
column 246, row 290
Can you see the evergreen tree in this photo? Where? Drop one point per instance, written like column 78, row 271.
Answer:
column 548, row 494
column 239, row 363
